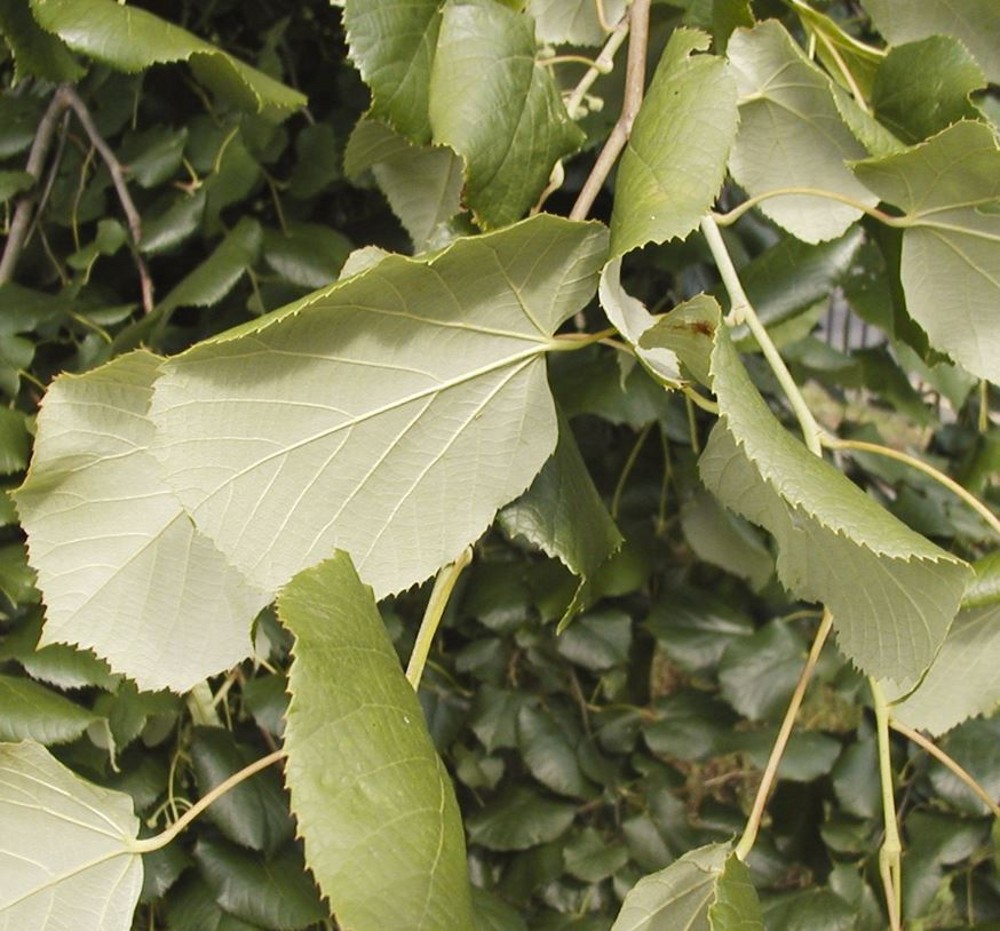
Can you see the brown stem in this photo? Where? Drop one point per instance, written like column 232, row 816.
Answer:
column 121, row 188
column 635, row 81
column 25, row 206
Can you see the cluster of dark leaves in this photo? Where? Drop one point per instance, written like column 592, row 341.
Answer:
column 584, row 759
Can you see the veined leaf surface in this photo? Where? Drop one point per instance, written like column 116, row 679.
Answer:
column 950, row 268
column 389, row 415
column 65, row 853
column 708, row 889
column 792, row 135
column 383, row 834
column 904, row 591
column 675, row 161
column 120, row 564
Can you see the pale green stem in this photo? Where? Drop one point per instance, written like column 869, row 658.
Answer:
column 832, row 442
column 633, row 455
column 889, row 856
column 602, row 65
column 443, row 585
column 752, row 828
column 984, row 405
column 743, row 312
column 149, row 844
column 935, row 751
column 729, row 218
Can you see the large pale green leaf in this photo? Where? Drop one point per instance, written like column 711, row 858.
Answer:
column 708, row 889
column 949, row 188
column 962, row 681
column 392, row 42
column 121, row 566
column 975, row 22
column 422, row 184
column 376, row 808
column 675, row 161
column 792, row 135
column 903, row 591
column 563, row 514
column 65, row 854
column 498, row 108
column 390, row 415
column 131, row 39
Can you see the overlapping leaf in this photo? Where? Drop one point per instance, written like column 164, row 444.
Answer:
column 707, row 889
column 37, row 54
column 390, row 415
column 65, row 854
column 573, row 22
column 423, row 185
column 962, row 681
column 374, row 803
column 498, row 108
column 792, row 135
column 675, row 161
column 131, row 39
column 975, row 22
column 563, row 514
column 903, row 591
column 949, row 188
column 393, row 44
column 121, row 566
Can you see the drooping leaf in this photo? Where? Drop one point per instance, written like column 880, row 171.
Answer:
column 297, row 435
column 371, row 797
column 519, row 819
column 631, row 318
column 253, row 813
column 89, row 877
column 131, row 39
column 309, row 255
column 904, row 591
column 949, row 188
column 975, row 22
column 758, row 673
column 838, row 49
column 214, row 278
column 422, row 184
column 30, row 711
column 498, row 108
column 273, row 893
column 393, row 43
column 675, row 159
column 707, row 889
column 792, row 135
column 923, row 87
column 175, row 223
column 122, row 568
column 549, row 755
column 573, row 22
column 563, row 514
column 719, row 537
column 37, row 54
column 962, row 681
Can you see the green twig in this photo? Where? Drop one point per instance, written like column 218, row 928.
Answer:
column 729, row 218
column 889, row 855
column 743, row 312
column 616, row 498
column 833, row 442
column 443, row 585
column 935, row 751
column 752, row 828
